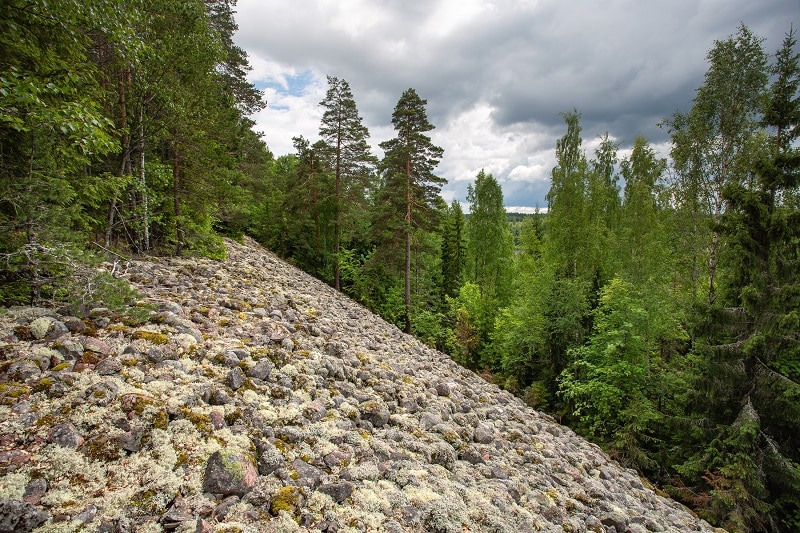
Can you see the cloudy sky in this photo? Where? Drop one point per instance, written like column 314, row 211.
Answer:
column 496, row 74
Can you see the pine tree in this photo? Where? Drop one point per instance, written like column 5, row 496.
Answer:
column 349, row 157
column 409, row 192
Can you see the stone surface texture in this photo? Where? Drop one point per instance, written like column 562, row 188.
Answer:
column 248, row 396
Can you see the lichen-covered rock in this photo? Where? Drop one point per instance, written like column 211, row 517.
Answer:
column 96, row 345
column 35, row 490
column 270, row 458
column 375, row 413
column 257, row 398
column 235, row 378
column 20, row 517
column 287, row 499
column 65, row 435
column 306, row 475
column 229, row 473
column 46, row 327
column 261, row 370
column 338, row 491
column 108, row 366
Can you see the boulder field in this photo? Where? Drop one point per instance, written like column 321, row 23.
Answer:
column 245, row 395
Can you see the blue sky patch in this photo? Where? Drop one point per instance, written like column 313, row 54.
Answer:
column 297, row 84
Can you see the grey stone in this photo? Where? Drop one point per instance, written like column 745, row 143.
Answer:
column 229, row 473
column 96, row 345
column 23, row 370
column 20, row 517
column 221, row 511
column 230, row 359
column 218, row 396
column 270, row 458
column 615, row 519
column 156, row 354
column 87, row 515
column 472, row 455
column 261, row 370
column 65, row 435
column 235, row 378
column 338, row 491
column 131, row 440
column 444, row 389
column 34, row 490
column 108, row 366
column 71, row 349
column 377, row 415
column 178, row 513
column 443, row 454
column 307, row 475
column 484, row 433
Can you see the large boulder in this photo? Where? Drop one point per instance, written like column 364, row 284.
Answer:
column 229, row 472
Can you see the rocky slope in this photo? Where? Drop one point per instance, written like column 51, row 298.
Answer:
column 255, row 398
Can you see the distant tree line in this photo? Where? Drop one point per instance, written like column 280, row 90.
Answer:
column 654, row 307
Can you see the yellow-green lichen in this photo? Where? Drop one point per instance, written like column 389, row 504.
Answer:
column 13, row 390
column 286, row 499
column 43, row 384
column 153, row 336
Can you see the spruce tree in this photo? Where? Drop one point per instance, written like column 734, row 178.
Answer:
column 454, row 249
column 750, row 376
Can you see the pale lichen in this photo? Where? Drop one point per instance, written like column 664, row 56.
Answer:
column 12, row 485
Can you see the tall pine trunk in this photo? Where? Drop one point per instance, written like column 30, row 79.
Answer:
column 176, row 200
column 125, row 162
column 407, row 294
column 143, row 183
column 337, row 223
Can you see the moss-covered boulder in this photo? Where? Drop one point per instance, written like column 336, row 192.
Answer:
column 229, row 472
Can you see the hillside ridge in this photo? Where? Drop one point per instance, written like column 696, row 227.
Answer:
column 256, row 398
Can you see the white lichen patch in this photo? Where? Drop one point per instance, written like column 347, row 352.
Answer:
column 12, row 486
column 63, row 497
column 65, row 464
column 235, row 443
column 365, row 471
column 133, row 375
column 419, row 496
column 144, row 483
column 290, row 370
column 283, row 523
column 319, row 502
column 159, row 387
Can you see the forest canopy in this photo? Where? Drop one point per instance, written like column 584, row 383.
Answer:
column 654, row 308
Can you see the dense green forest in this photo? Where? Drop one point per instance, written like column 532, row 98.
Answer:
column 654, row 306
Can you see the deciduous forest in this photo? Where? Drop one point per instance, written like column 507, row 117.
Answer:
column 654, row 306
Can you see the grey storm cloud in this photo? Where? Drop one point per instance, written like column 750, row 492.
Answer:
column 516, row 65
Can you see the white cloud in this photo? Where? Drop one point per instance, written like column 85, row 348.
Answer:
column 496, row 75
column 287, row 114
